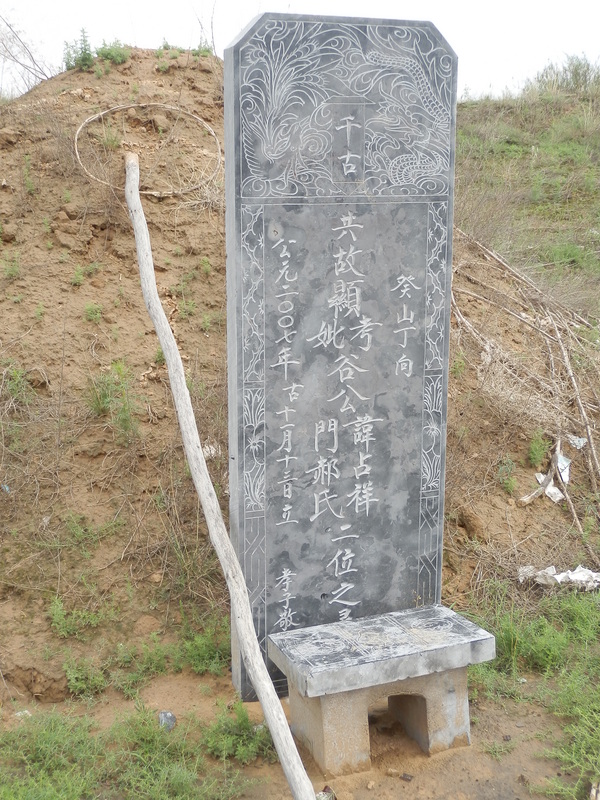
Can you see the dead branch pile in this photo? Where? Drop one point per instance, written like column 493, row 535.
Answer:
column 535, row 358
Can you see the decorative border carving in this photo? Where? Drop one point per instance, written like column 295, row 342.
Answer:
column 291, row 76
column 253, row 303
column 430, row 531
column 253, row 413
column 437, row 256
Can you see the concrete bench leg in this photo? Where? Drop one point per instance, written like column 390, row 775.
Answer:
column 433, row 709
column 334, row 728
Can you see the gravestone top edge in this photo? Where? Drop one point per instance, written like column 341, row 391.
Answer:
column 260, row 19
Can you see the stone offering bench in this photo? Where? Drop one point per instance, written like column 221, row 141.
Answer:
column 416, row 658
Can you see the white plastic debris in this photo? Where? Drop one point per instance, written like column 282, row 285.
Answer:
column 545, row 577
column 576, row 441
column 553, row 492
column 564, row 464
column 581, row 577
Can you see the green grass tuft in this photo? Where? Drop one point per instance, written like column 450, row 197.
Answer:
column 234, row 736
column 93, row 312
column 210, row 650
column 538, row 448
column 53, row 756
column 114, row 52
column 561, row 641
column 111, row 394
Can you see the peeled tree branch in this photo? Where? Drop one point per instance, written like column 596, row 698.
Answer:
column 293, row 768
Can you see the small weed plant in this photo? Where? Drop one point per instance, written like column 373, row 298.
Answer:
column 210, row 650
column 498, row 749
column 92, row 312
column 92, row 268
column 110, row 138
column 77, row 622
column 111, row 394
column 186, row 308
column 205, row 266
column 206, row 322
column 77, row 532
column 181, row 290
column 78, row 55
column 85, row 678
column 505, row 475
column 114, row 52
column 204, row 49
column 458, row 366
column 234, row 736
column 132, row 667
column 11, row 267
column 14, row 385
column 569, row 254
column 195, row 387
column 82, row 272
column 538, row 448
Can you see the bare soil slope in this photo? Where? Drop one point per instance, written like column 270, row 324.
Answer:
column 101, row 537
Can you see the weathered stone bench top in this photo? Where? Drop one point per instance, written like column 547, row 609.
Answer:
column 356, row 654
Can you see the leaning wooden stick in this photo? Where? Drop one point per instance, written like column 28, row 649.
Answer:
column 563, row 487
column 578, row 399
column 298, row 780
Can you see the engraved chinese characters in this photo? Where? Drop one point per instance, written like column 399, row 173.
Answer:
column 339, row 152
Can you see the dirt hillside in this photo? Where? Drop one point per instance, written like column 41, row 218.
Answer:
column 102, row 540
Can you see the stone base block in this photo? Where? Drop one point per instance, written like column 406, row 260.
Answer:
column 432, row 709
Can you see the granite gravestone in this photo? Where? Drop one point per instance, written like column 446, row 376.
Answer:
column 339, row 154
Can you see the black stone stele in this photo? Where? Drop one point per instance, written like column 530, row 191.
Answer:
column 340, row 172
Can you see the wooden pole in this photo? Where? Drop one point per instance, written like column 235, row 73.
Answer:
column 298, row 780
